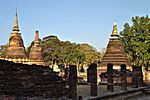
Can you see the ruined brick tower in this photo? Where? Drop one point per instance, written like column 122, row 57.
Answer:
column 16, row 51
column 115, row 53
column 35, row 55
column 16, row 47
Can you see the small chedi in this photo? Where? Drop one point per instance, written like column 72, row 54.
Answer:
column 16, row 51
column 114, row 54
column 35, row 55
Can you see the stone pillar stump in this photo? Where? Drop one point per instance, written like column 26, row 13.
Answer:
column 93, row 79
column 123, row 77
column 134, row 77
column 110, row 86
column 72, row 82
column 140, row 74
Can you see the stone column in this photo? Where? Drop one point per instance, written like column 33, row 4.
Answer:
column 66, row 73
column 123, row 77
column 110, row 86
column 88, row 75
column 140, row 76
column 134, row 77
column 93, row 79
column 73, row 82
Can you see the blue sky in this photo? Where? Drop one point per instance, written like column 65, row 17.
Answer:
column 80, row 21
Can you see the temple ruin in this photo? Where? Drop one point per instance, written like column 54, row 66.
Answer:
column 114, row 54
column 16, row 51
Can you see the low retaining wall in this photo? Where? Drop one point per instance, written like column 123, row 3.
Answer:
column 124, row 95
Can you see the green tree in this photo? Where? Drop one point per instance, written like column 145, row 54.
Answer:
column 3, row 49
column 91, row 55
column 136, row 40
column 71, row 54
column 51, row 50
column 62, row 52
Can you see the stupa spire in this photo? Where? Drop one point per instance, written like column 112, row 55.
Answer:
column 16, row 27
column 36, row 36
column 36, row 40
column 114, row 31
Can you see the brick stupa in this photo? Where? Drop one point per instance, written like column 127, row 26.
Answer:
column 16, row 47
column 16, row 51
column 36, row 56
column 114, row 54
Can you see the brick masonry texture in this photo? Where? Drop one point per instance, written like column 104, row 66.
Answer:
column 29, row 81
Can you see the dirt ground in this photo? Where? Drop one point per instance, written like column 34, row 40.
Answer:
column 140, row 98
column 84, row 90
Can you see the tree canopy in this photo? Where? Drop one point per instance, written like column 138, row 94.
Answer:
column 136, row 40
column 65, row 52
column 3, row 49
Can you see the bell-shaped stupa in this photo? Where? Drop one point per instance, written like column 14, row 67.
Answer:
column 114, row 53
